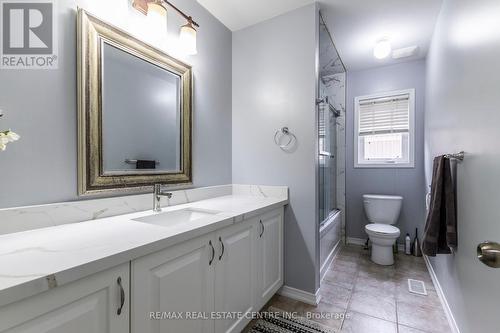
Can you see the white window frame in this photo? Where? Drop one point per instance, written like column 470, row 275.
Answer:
column 411, row 133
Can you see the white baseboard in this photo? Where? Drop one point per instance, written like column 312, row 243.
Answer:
column 356, row 241
column 442, row 297
column 362, row 242
column 300, row 295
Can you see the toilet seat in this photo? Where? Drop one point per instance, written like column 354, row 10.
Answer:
column 381, row 230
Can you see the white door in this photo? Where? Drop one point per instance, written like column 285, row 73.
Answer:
column 177, row 280
column 269, row 255
column 89, row 305
column 235, row 276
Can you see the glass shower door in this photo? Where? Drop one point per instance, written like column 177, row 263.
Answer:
column 327, row 163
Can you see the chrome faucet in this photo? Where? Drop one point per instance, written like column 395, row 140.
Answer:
column 157, row 194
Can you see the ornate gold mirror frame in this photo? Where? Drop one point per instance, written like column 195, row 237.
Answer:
column 92, row 33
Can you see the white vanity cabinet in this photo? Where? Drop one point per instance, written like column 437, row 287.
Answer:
column 233, row 270
column 269, row 256
column 196, row 286
column 179, row 279
column 235, row 276
column 89, row 305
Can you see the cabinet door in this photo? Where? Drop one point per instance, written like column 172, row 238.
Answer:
column 269, row 255
column 180, row 280
column 235, row 275
column 88, row 305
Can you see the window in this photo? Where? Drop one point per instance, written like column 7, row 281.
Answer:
column 384, row 130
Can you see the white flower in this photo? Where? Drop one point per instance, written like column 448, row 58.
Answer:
column 6, row 137
column 11, row 136
column 3, row 138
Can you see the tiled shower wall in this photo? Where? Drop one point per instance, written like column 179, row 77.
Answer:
column 334, row 86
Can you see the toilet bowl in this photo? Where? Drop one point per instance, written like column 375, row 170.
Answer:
column 382, row 211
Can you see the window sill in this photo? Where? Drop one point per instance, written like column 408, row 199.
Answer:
column 385, row 166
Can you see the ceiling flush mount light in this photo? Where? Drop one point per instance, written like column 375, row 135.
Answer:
column 187, row 35
column 382, row 49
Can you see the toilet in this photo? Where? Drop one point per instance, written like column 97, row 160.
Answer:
column 382, row 211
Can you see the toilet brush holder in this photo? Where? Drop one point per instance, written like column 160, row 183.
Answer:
column 416, row 250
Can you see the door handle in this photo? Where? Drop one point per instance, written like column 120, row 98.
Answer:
column 122, row 296
column 489, row 254
column 262, row 228
column 222, row 248
column 213, row 253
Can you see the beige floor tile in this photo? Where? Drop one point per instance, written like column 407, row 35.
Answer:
column 335, row 295
column 376, row 297
column 406, row 329
column 284, row 303
column 424, row 317
column 325, row 314
column 376, row 283
column 373, row 304
column 403, row 295
column 344, row 266
column 361, row 323
column 339, row 278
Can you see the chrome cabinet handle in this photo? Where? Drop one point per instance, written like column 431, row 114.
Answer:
column 222, row 248
column 262, row 228
column 122, row 296
column 489, row 254
column 213, row 253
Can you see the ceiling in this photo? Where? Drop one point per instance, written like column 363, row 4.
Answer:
column 239, row 14
column 355, row 25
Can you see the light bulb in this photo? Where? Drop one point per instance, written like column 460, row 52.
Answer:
column 157, row 24
column 187, row 39
column 382, row 49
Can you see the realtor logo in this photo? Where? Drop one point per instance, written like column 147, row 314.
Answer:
column 28, row 34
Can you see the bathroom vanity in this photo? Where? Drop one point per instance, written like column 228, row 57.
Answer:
column 148, row 272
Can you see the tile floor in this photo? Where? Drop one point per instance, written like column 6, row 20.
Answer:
column 368, row 298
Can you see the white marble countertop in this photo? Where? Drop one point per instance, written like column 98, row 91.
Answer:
column 76, row 250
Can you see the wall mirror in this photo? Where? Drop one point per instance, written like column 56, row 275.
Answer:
column 134, row 112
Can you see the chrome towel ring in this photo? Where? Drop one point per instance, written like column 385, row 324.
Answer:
column 284, row 132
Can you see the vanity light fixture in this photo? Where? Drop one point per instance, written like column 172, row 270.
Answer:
column 382, row 49
column 187, row 35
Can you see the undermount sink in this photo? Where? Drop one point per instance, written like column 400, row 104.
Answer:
column 176, row 217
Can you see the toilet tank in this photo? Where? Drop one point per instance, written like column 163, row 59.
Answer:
column 382, row 209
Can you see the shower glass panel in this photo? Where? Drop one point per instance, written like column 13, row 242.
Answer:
column 331, row 146
column 331, row 113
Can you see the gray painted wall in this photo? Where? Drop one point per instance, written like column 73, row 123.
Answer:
column 407, row 182
column 462, row 113
column 40, row 105
column 274, row 85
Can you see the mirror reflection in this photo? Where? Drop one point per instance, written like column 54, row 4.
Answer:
column 141, row 114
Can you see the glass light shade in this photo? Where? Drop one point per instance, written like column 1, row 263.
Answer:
column 157, row 24
column 382, row 49
column 187, row 39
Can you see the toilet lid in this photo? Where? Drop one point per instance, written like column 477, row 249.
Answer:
column 382, row 228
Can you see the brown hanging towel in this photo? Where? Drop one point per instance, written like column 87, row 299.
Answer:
column 440, row 234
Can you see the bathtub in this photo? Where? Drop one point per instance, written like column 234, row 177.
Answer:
column 330, row 237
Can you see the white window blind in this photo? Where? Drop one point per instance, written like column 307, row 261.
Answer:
column 384, row 115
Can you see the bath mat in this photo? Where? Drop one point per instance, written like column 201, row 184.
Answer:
column 278, row 321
